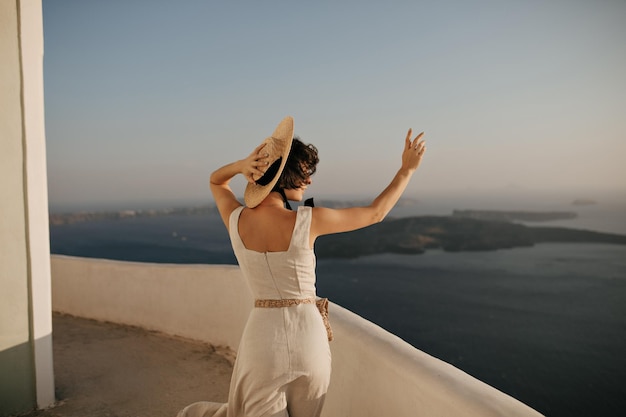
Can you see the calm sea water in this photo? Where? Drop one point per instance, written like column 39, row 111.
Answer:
column 545, row 324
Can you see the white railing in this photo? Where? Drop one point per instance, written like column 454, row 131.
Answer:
column 374, row 372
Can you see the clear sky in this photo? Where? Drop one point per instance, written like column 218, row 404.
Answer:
column 145, row 98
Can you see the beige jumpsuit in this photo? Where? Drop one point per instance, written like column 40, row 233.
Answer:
column 283, row 363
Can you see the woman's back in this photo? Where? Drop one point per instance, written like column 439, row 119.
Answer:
column 285, row 273
column 266, row 229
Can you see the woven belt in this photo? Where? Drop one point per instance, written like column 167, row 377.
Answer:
column 322, row 306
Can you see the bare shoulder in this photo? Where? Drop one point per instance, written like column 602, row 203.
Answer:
column 225, row 201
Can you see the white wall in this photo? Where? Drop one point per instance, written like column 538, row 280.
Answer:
column 26, row 377
column 16, row 383
column 202, row 302
column 374, row 372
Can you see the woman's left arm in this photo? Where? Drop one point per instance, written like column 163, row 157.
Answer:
column 251, row 166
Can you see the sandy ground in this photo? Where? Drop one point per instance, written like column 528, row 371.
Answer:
column 104, row 369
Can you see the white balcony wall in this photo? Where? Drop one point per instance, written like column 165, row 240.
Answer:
column 202, row 302
column 374, row 372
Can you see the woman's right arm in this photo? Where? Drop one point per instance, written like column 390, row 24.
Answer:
column 225, row 200
column 327, row 221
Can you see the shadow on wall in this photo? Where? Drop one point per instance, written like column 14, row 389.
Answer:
column 17, row 380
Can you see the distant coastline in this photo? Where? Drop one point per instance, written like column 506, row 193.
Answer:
column 464, row 230
column 58, row 219
column 508, row 216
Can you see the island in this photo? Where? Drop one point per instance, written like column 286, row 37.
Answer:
column 584, row 202
column 415, row 235
column 507, row 216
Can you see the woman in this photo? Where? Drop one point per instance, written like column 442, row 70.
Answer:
column 283, row 363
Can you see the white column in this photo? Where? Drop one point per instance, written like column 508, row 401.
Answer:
column 38, row 246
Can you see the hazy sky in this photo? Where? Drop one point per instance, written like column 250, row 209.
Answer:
column 145, row 98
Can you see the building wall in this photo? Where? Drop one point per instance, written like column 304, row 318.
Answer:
column 26, row 378
column 17, row 390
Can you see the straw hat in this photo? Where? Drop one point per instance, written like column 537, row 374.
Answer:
column 277, row 146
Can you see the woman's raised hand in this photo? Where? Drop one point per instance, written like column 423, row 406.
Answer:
column 255, row 165
column 413, row 151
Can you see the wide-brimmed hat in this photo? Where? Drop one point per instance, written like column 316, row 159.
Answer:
column 277, row 146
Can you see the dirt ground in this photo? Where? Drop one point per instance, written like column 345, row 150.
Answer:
column 105, row 369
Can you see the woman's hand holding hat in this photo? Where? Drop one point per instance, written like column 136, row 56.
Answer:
column 255, row 165
column 277, row 147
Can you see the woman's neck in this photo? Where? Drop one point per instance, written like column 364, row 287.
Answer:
column 273, row 200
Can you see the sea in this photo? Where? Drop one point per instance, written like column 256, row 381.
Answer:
column 545, row 324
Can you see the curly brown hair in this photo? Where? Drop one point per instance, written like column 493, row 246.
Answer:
column 301, row 164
